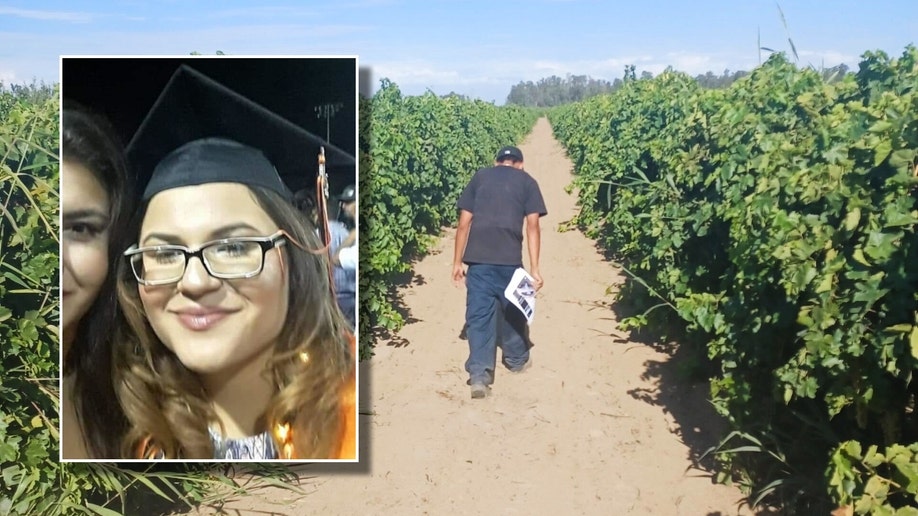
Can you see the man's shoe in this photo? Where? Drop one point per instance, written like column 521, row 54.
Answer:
column 479, row 390
column 523, row 367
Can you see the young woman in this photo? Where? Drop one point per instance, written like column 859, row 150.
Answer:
column 93, row 206
column 235, row 348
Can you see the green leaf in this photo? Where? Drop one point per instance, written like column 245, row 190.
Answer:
column 825, row 284
column 7, row 453
column 852, row 219
column 898, row 219
column 902, row 159
column 899, row 328
column 858, row 256
column 881, row 152
column 907, row 474
column 880, row 127
column 102, row 511
column 151, row 486
column 881, row 245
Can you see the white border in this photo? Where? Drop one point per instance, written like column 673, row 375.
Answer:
column 356, row 59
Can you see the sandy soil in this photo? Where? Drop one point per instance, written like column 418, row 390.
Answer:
column 598, row 425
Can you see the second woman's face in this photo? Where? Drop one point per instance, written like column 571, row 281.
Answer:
column 214, row 326
column 84, row 260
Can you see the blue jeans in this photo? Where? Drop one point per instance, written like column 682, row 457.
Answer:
column 491, row 321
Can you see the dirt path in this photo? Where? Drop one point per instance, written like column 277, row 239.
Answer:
column 598, row 425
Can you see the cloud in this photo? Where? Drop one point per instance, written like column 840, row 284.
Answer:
column 362, row 4
column 416, row 72
column 248, row 39
column 492, row 79
column 282, row 12
column 607, row 68
column 827, row 58
column 597, row 68
column 7, row 77
column 32, row 14
column 416, row 77
column 613, row 67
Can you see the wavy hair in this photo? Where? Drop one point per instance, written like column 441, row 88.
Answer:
column 88, row 139
column 311, row 366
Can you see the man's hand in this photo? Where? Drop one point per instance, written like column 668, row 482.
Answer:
column 534, row 242
column 458, row 275
column 537, row 279
column 462, row 238
column 351, row 238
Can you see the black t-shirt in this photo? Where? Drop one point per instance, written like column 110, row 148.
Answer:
column 499, row 198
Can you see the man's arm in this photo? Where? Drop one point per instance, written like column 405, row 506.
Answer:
column 462, row 238
column 341, row 239
column 351, row 238
column 534, row 242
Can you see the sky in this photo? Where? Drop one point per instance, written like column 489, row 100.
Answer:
column 475, row 48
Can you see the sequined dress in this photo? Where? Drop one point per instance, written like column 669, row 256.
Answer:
column 253, row 447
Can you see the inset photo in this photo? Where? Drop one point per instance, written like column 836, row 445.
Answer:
column 209, row 258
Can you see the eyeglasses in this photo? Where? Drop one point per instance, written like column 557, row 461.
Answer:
column 227, row 258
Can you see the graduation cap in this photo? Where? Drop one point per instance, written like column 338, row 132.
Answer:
column 199, row 131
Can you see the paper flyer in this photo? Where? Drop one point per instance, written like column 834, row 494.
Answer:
column 521, row 292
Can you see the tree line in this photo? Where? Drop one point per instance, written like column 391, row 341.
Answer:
column 557, row 91
column 33, row 93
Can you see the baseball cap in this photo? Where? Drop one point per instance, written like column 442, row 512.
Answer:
column 509, row 152
column 348, row 194
column 199, row 131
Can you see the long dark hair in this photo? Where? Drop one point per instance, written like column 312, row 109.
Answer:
column 88, row 139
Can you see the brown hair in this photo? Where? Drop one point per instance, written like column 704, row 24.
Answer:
column 88, row 139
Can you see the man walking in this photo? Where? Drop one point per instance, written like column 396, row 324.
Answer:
column 493, row 209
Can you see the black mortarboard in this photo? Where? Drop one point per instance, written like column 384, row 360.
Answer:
column 199, row 131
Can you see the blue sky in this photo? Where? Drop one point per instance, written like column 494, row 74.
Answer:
column 476, row 48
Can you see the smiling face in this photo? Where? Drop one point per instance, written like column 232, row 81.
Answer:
column 84, row 246
column 214, row 326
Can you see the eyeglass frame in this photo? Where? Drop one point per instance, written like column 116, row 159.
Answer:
column 278, row 239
